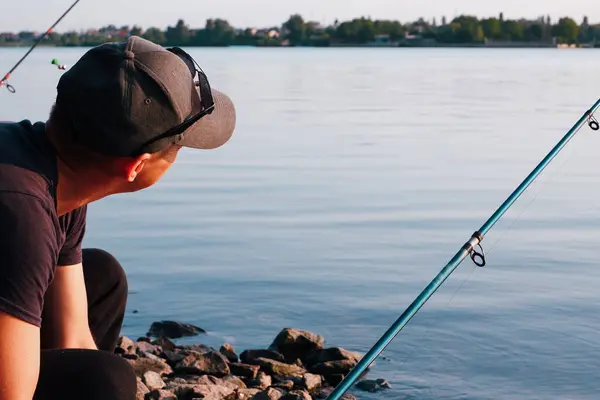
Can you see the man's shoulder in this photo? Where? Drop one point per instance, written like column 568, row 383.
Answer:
column 26, row 162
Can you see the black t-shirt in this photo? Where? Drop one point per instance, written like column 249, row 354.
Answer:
column 34, row 240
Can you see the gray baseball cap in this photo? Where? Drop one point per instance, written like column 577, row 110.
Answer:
column 134, row 97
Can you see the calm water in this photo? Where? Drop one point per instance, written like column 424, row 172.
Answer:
column 354, row 175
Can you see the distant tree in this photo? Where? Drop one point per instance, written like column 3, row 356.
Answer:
column 492, row 28
column 179, row 35
column 136, row 31
column 155, row 35
column 296, row 29
column 512, row 30
column 567, row 30
column 467, row 29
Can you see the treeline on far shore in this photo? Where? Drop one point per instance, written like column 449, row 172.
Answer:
column 464, row 30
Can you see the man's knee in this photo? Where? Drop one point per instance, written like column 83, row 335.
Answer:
column 98, row 261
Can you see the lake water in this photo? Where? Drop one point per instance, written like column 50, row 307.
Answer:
column 353, row 177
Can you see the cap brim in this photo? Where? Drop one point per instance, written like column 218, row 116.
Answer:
column 212, row 130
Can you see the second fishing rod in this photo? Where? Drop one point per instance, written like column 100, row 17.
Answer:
column 468, row 249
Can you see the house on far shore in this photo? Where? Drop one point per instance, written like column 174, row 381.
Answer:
column 382, row 40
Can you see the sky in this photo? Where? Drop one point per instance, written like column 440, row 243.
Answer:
column 38, row 15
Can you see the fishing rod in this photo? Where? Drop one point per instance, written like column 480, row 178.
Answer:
column 468, row 249
column 4, row 80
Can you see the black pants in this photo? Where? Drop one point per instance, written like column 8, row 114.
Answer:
column 92, row 374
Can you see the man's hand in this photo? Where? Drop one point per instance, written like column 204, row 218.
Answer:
column 19, row 358
column 65, row 319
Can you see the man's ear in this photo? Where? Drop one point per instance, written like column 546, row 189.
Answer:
column 134, row 166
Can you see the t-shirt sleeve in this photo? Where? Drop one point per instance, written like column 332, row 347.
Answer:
column 71, row 252
column 28, row 249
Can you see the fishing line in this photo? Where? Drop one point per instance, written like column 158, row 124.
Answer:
column 468, row 249
column 4, row 81
column 542, row 186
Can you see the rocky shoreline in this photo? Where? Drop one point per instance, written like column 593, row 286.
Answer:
column 296, row 366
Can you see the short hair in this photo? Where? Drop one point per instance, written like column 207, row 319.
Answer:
column 63, row 136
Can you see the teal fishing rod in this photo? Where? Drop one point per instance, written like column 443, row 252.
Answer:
column 468, row 249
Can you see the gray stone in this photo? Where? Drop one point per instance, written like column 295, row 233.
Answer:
column 373, row 385
column 297, row 395
column 211, row 363
column 246, row 394
column 228, row 351
column 143, row 365
column 268, row 394
column 161, row 395
column 280, row 369
column 173, row 329
column 323, row 392
column 248, row 356
column 331, row 354
column 311, row 381
column 207, row 392
column 295, row 343
column 125, row 346
column 153, row 380
column 262, row 381
column 244, row 370
column 333, row 367
column 141, row 390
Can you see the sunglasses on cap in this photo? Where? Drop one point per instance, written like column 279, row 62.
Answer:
column 206, row 98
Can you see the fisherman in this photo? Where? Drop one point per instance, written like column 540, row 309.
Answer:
column 121, row 115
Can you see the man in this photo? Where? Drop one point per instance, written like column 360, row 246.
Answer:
column 122, row 113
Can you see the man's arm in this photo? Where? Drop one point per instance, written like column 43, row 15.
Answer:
column 66, row 323
column 19, row 358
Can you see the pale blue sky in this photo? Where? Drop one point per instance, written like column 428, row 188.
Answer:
column 40, row 14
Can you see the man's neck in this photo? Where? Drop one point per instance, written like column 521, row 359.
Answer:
column 78, row 188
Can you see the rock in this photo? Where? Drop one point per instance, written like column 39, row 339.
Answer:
column 143, row 365
column 141, row 390
column 173, row 329
column 151, row 356
column 333, row 367
column 161, row 395
column 248, row 356
column 331, row 354
column 246, row 394
column 204, row 380
column 296, row 395
column 373, row 385
column 145, row 347
column 207, row 392
column 268, row 394
column 200, row 348
column 153, row 381
column 262, row 381
column 311, row 382
column 334, row 379
column 228, row 351
column 143, row 339
column 280, row 369
column 172, row 357
column 285, row 384
column 178, row 381
column 296, row 343
column 233, row 382
column 165, row 344
column 211, row 363
column 125, row 346
column 244, row 370
column 130, row 356
column 322, row 393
